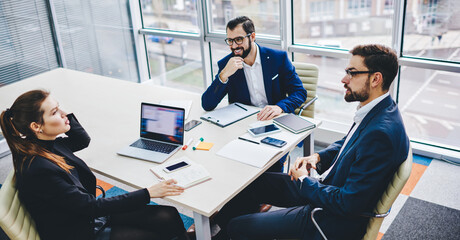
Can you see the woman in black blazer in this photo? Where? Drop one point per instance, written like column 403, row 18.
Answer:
column 58, row 188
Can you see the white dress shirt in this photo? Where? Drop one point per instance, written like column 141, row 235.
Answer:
column 255, row 81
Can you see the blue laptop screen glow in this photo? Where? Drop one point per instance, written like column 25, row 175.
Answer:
column 162, row 123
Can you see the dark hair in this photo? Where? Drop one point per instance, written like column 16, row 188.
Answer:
column 248, row 25
column 22, row 141
column 379, row 58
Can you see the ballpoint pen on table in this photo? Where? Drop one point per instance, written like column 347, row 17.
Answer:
column 245, row 139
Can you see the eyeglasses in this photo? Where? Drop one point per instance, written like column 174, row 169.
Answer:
column 351, row 74
column 237, row 40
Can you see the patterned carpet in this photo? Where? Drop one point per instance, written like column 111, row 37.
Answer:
column 111, row 190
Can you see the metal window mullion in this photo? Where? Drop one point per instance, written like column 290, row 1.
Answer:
column 140, row 46
column 397, row 42
column 57, row 34
column 286, row 24
column 205, row 50
column 168, row 33
column 430, row 64
column 335, row 53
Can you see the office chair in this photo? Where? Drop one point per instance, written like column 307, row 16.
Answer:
column 308, row 74
column 15, row 221
column 14, row 218
column 384, row 204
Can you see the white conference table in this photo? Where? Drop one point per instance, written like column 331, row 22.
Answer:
column 109, row 109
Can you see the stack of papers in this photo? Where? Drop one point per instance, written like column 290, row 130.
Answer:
column 294, row 123
column 186, row 177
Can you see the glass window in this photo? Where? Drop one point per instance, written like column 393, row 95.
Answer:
column 97, row 37
column 265, row 14
column 330, row 105
column 432, row 29
column 176, row 15
column 342, row 24
column 218, row 51
column 431, row 113
column 26, row 40
column 176, row 63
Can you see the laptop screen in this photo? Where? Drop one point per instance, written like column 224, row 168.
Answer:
column 162, row 123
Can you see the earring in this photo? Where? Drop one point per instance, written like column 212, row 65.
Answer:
column 41, row 131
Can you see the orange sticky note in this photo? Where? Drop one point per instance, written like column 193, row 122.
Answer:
column 204, row 146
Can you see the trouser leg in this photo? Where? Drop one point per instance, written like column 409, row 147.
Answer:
column 281, row 224
column 149, row 222
column 272, row 188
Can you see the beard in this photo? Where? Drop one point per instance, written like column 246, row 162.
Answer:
column 245, row 52
column 360, row 95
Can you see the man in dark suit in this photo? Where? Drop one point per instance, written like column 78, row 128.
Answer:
column 254, row 75
column 355, row 170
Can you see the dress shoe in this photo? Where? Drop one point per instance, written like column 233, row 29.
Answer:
column 265, row 207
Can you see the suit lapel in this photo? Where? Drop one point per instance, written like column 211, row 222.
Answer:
column 374, row 111
column 76, row 164
column 265, row 61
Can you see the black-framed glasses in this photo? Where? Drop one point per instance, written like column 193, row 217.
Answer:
column 351, row 74
column 237, row 40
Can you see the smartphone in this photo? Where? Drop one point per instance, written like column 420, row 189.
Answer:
column 264, row 130
column 273, row 141
column 175, row 167
column 193, row 123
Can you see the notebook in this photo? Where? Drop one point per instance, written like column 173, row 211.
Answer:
column 161, row 133
column 294, row 123
column 185, row 177
column 230, row 114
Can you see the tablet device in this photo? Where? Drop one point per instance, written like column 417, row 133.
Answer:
column 264, row 130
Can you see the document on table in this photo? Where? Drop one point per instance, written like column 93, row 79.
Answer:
column 186, row 177
column 256, row 155
column 230, row 114
column 185, row 104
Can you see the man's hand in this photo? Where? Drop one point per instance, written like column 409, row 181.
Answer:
column 269, row 112
column 307, row 162
column 296, row 173
column 232, row 66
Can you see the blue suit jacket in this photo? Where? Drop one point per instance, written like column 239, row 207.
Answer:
column 362, row 173
column 280, row 80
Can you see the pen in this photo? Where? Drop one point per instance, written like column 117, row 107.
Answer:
column 188, row 143
column 244, row 139
column 241, row 107
column 198, row 143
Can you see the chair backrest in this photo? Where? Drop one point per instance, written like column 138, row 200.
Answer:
column 14, row 218
column 389, row 196
column 308, row 73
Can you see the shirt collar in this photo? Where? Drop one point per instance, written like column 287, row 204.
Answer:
column 257, row 61
column 363, row 111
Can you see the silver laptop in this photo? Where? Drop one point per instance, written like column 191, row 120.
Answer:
column 161, row 132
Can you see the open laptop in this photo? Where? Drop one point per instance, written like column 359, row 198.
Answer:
column 161, row 132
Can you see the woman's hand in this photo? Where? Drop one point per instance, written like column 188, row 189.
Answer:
column 165, row 188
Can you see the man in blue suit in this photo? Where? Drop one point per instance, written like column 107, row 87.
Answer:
column 254, row 75
column 355, row 170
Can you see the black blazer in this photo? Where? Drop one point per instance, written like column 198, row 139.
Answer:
column 64, row 205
